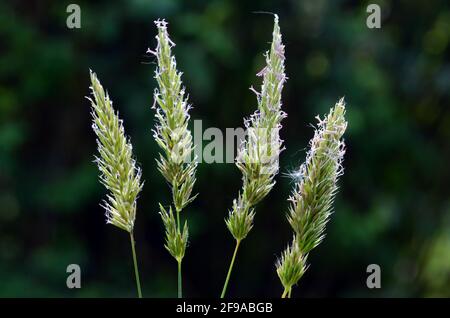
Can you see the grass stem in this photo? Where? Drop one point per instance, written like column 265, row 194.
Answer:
column 224, row 290
column 180, row 286
column 180, row 279
column 286, row 292
column 136, row 271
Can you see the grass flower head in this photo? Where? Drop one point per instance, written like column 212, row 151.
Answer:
column 258, row 154
column 313, row 194
column 175, row 139
column 119, row 172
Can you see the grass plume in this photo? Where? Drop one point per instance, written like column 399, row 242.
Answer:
column 175, row 139
column 258, row 155
column 313, row 195
column 118, row 170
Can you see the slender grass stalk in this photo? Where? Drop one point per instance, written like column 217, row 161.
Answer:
column 175, row 139
column 180, row 276
column 136, row 271
column 224, row 290
column 180, row 281
column 313, row 195
column 258, row 154
column 118, row 170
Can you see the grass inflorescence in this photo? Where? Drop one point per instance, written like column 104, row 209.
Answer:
column 258, row 154
column 175, row 140
column 118, row 170
column 311, row 201
column 313, row 195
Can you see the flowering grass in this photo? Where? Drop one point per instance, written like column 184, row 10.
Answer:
column 118, row 170
column 175, row 140
column 258, row 155
column 313, row 195
column 311, row 202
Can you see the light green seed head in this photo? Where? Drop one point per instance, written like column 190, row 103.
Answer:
column 176, row 241
column 316, row 180
column 258, row 154
column 172, row 116
column 175, row 140
column 292, row 265
column 118, row 170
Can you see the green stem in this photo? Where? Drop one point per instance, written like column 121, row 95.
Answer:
column 180, row 280
column 224, row 290
column 289, row 293
column 180, row 287
column 286, row 292
column 136, row 271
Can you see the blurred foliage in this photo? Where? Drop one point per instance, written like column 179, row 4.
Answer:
column 393, row 208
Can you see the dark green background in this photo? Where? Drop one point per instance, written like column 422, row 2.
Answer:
column 393, row 208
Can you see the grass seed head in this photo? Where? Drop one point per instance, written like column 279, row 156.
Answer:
column 118, row 170
column 258, row 154
column 175, row 140
column 313, row 196
column 292, row 265
column 172, row 115
column 176, row 241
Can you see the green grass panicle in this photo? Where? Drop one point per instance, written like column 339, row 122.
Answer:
column 118, row 170
column 258, row 155
column 313, row 195
column 175, row 139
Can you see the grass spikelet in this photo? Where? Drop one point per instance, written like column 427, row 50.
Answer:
column 314, row 193
column 291, row 266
